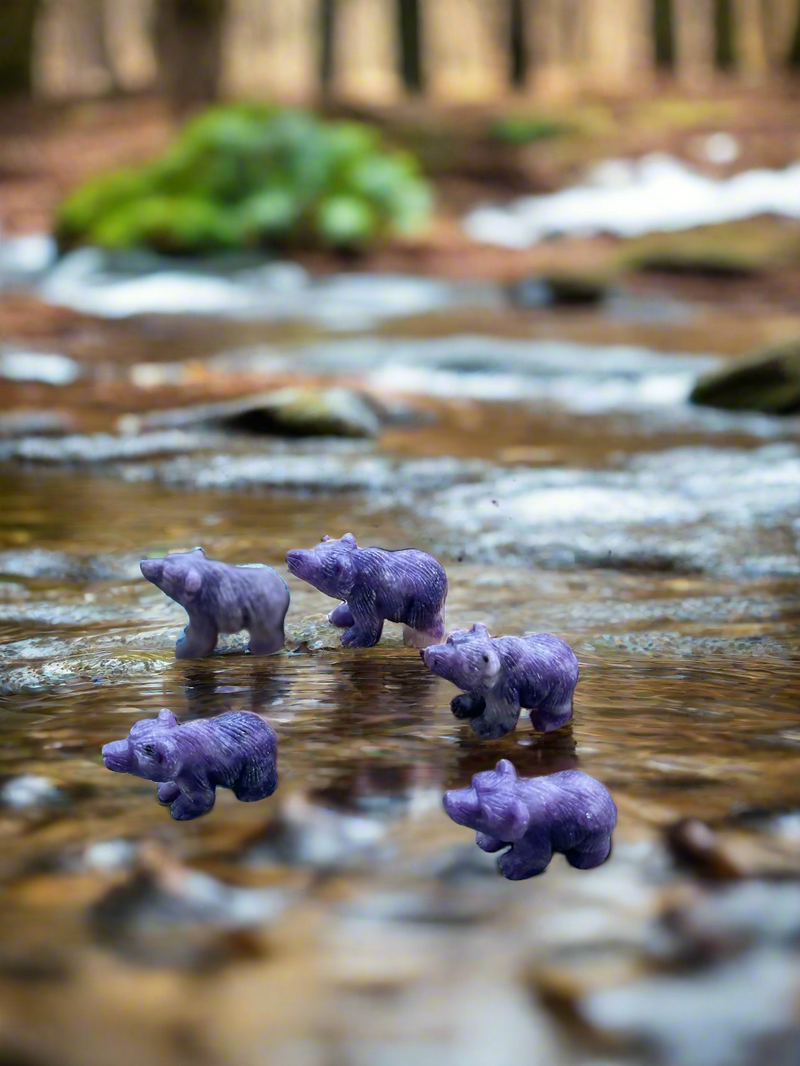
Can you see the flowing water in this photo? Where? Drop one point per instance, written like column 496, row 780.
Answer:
column 566, row 489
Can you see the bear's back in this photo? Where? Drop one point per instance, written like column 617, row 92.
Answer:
column 575, row 798
column 537, row 651
column 247, row 585
column 409, row 569
column 224, row 747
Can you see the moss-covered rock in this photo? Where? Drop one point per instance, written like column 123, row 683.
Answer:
column 729, row 250
column 247, row 176
column 768, row 381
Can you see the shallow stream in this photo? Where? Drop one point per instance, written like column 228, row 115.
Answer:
column 565, row 488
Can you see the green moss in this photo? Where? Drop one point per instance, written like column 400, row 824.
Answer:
column 528, row 129
column 248, row 174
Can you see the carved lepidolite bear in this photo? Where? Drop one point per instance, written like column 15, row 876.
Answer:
column 377, row 585
column 220, row 598
column 568, row 812
column 501, row 675
column 238, row 751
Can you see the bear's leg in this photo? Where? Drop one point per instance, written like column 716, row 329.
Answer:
column 467, row 705
column 487, row 843
column 199, row 801
column 167, row 792
column 431, row 632
column 341, row 617
column 365, row 631
column 199, row 639
column 591, row 852
column 499, row 717
column 419, row 638
column 527, row 857
column 552, row 712
column 264, row 641
column 254, row 792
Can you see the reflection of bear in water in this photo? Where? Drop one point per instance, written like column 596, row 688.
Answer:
column 219, row 598
column 548, row 754
column 211, row 691
column 383, row 698
column 568, row 812
column 407, row 586
column 387, row 695
column 236, row 751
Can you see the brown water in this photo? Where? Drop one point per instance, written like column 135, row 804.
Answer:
column 397, row 943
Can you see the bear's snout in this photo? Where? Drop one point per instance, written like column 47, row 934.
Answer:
column 295, row 560
column 115, row 756
column 462, row 805
column 431, row 656
column 152, row 569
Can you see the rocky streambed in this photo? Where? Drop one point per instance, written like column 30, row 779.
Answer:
column 568, row 488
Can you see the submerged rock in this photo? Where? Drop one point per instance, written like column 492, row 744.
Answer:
column 168, row 914
column 300, row 411
column 312, row 836
column 732, row 855
column 768, row 381
column 559, row 290
column 310, row 412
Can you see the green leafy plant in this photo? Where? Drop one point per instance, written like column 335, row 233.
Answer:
column 249, row 176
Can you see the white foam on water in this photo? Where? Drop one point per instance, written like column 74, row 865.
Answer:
column 90, row 281
column 46, row 368
column 631, row 198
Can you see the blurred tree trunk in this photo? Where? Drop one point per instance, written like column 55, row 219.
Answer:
column 188, row 42
column 553, row 45
column 17, row 22
column 464, row 50
column 751, row 46
column 129, row 41
column 780, row 20
column 694, row 40
column 72, row 54
column 618, row 43
column 366, row 47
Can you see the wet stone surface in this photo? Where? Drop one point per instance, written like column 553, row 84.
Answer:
column 565, row 489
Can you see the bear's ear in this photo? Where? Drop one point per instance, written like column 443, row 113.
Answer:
column 325, row 538
column 505, row 768
column 166, row 747
column 193, row 582
column 198, row 549
column 515, row 819
column 349, row 540
column 490, row 662
column 167, row 718
column 479, row 629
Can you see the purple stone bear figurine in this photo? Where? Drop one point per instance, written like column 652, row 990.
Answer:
column 401, row 586
column 568, row 812
column 237, row 751
column 503, row 674
column 220, row 598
